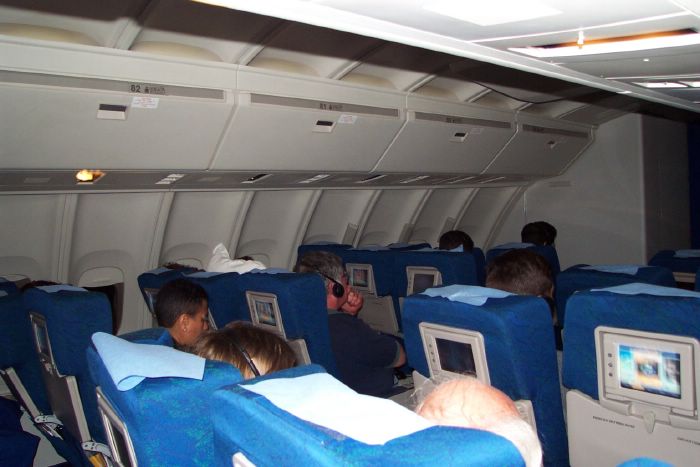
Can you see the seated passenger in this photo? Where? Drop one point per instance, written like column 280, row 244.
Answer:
column 522, row 272
column 221, row 262
column 454, row 239
column 182, row 308
column 469, row 403
column 254, row 351
column 539, row 233
column 366, row 358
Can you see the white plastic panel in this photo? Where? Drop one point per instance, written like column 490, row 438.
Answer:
column 541, row 147
column 115, row 230
column 63, row 122
column 290, row 123
column 271, row 226
column 392, row 211
column 441, row 205
column 447, row 137
column 198, row 221
column 334, row 211
column 29, row 235
column 483, row 215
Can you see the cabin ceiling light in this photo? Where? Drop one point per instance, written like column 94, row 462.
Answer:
column 634, row 43
column 661, row 85
column 88, row 176
column 692, row 84
column 492, row 12
column 169, row 179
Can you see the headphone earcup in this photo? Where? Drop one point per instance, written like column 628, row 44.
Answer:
column 338, row 289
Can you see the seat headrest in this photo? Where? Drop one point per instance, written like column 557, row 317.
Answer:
column 129, row 363
column 638, row 288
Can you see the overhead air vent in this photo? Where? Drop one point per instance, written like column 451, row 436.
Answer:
column 371, row 179
column 345, row 108
column 433, row 117
column 131, row 87
column 256, row 178
column 315, row 178
column 555, row 131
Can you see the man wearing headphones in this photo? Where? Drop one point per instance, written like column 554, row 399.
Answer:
column 366, row 358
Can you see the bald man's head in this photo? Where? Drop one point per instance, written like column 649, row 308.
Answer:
column 469, row 403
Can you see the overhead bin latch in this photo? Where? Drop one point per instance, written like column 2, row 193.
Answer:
column 324, row 126
column 111, row 112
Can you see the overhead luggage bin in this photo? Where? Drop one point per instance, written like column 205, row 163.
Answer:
column 541, row 147
column 286, row 122
column 442, row 136
column 85, row 109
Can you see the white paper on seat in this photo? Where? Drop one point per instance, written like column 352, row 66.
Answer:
column 321, row 399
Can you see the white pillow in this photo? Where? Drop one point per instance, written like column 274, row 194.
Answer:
column 221, row 262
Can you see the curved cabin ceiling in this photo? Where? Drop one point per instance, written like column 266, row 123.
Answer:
column 358, row 52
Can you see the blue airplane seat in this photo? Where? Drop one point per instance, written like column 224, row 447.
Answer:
column 17, row 447
column 582, row 277
column 301, row 300
column 321, row 246
column 519, row 346
column 638, row 307
column 402, row 246
column 382, row 266
column 697, row 280
column 149, row 336
column 8, row 287
column 480, row 265
column 270, row 436
column 221, row 291
column 687, row 261
column 156, row 278
column 547, row 251
column 165, row 418
column 71, row 315
column 455, row 268
column 17, row 350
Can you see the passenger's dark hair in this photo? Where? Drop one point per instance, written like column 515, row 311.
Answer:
column 176, row 298
column 522, row 272
column 550, row 232
column 534, row 233
column 240, row 342
column 454, row 238
column 177, row 266
column 323, row 262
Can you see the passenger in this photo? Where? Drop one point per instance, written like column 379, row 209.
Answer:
column 454, row 239
column 539, row 233
column 221, row 262
column 469, row 403
column 175, row 266
column 252, row 350
column 521, row 272
column 182, row 308
column 366, row 358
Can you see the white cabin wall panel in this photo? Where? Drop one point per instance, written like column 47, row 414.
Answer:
column 29, row 237
column 666, row 185
column 198, row 221
column 271, row 225
column 334, row 211
column 541, row 147
column 483, row 214
column 597, row 205
column 392, row 211
column 286, row 122
column 442, row 136
column 113, row 233
column 512, row 224
column 441, row 205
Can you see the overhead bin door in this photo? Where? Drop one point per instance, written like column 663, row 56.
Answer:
column 291, row 124
column 447, row 137
column 541, row 147
column 53, row 121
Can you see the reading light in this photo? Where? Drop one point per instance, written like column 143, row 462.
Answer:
column 692, row 84
column 662, row 40
column 492, row 12
column 88, row 176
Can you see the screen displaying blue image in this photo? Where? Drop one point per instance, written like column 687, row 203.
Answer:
column 650, row 370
